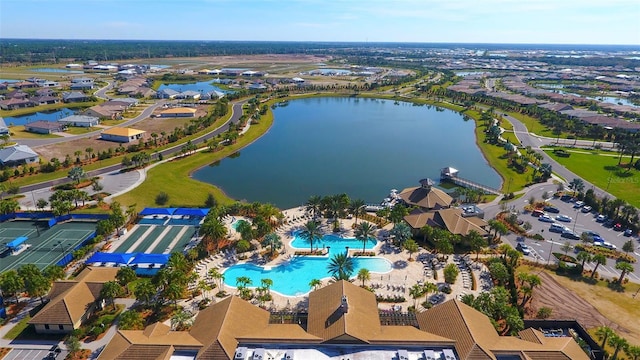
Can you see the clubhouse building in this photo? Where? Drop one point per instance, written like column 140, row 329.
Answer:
column 342, row 322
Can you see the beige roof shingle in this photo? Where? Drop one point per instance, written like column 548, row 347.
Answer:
column 427, row 197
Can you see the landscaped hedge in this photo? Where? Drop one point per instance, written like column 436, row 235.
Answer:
column 613, row 254
column 391, row 299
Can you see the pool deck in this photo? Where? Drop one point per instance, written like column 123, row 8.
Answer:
column 403, row 275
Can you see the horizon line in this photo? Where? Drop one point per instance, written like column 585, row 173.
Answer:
column 324, row 41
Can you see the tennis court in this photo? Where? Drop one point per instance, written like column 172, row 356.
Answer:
column 46, row 246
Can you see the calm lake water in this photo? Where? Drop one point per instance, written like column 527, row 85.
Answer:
column 362, row 147
column 202, row 86
column 46, row 116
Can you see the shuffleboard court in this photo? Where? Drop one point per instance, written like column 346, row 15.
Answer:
column 45, row 246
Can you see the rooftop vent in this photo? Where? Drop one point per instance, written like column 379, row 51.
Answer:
column 288, row 355
column 344, row 305
column 403, row 355
column 241, row 353
column 258, row 354
column 448, row 354
column 430, row 355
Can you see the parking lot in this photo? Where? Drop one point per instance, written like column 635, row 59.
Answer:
column 580, row 222
column 32, row 354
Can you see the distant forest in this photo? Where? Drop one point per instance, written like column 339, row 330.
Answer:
column 35, row 51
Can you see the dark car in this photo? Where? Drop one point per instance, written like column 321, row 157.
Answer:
column 609, row 223
column 566, row 198
column 570, row 235
column 628, row 232
column 552, row 209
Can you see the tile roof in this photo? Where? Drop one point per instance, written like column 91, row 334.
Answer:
column 69, row 298
column 426, row 197
column 118, row 131
column 16, row 153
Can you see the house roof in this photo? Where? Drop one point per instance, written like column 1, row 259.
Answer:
column 69, row 298
column 16, row 153
column 73, row 95
column 79, row 119
column 427, row 197
column 118, row 131
column 179, row 110
column 453, row 221
column 42, row 124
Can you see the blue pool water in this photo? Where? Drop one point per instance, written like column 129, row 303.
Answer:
column 293, row 277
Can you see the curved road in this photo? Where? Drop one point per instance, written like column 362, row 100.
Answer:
column 236, row 113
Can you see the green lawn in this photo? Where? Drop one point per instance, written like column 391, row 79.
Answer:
column 173, row 177
column 18, row 328
column 20, row 133
column 81, row 130
column 603, row 171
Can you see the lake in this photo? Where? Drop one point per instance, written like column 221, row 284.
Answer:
column 44, row 115
column 362, row 147
column 202, row 86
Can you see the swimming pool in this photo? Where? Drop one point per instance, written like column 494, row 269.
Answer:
column 292, row 277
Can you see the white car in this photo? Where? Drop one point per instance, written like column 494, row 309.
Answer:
column 546, row 218
column 578, row 204
column 605, row 244
column 564, row 218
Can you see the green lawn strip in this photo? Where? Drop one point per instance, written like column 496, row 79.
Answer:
column 173, row 177
column 81, row 130
column 532, row 124
column 15, row 331
column 603, row 171
column 19, row 132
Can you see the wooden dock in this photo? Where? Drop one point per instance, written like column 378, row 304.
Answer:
column 450, row 174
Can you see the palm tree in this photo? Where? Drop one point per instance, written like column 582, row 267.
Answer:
column 313, row 205
column 577, row 185
column 111, row 290
column 626, row 268
column 364, row 275
column 357, row 208
column 401, row 233
column 341, row 266
column 315, row 284
column 311, row 232
column 603, row 333
column 411, row 246
column 599, row 259
column 365, row 232
column 617, row 342
column 633, row 352
column 266, row 284
column 181, row 319
column 217, row 276
column 144, row 291
column 273, row 241
column 583, row 256
column 416, row 291
column 429, row 288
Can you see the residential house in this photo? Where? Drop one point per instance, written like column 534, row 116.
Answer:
column 44, row 127
column 47, row 83
column 45, row 92
column 24, row 85
column 17, row 155
column 106, row 111
column 16, row 94
column 82, row 83
column 188, row 95
column 44, row 100
column 122, row 135
column 209, row 95
column 167, row 94
column 74, row 96
column 342, row 322
column 72, row 301
column 178, row 112
column 80, row 121
column 4, row 130
column 15, row 103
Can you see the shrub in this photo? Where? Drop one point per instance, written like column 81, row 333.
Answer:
column 162, row 198
column 450, row 273
column 544, row 313
column 243, row 246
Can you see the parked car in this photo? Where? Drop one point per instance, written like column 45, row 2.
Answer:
column 537, row 213
column 570, row 235
column 617, row 227
column 628, row 232
column 546, row 218
column 586, row 209
column 591, row 234
column 578, row 204
column 558, row 228
column 523, row 248
column 609, row 223
column 601, row 218
column 606, row 245
column 551, row 209
column 566, row 198
column 563, row 218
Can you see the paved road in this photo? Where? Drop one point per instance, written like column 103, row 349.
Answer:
column 102, row 92
column 236, row 113
column 34, row 143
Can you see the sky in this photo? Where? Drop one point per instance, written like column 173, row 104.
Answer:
column 467, row 21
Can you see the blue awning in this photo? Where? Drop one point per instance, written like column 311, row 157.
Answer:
column 117, row 258
column 157, row 211
column 191, row 212
column 17, row 242
column 150, row 259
